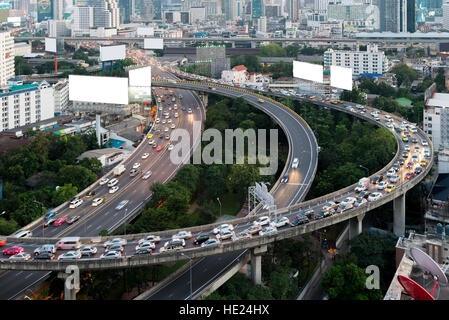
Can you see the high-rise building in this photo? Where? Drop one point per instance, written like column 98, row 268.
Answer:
column 411, row 16
column 393, row 15
column 257, row 9
column 58, row 28
column 6, row 57
column 446, row 15
column 428, row 10
column 229, row 9
column 127, row 9
column 262, row 24
column 58, row 9
column 44, row 10
column 292, row 9
column 83, row 20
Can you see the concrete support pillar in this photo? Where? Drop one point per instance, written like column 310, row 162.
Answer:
column 256, row 263
column 399, row 215
column 355, row 226
column 233, row 44
column 97, row 128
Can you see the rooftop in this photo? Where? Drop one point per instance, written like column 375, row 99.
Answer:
column 240, row 68
column 439, row 100
column 100, row 152
column 440, row 190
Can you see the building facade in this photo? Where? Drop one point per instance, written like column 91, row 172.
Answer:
column 6, row 57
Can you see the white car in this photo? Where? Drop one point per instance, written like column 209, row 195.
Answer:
column 170, row 147
column 147, row 175
column 136, row 165
column 151, row 238
column 157, row 120
column 329, row 205
column 182, row 235
column 210, row 242
column 295, row 163
column 390, row 172
column 349, row 200
column 374, row 196
column 360, row 202
column 382, row 185
column 71, row 255
column 146, row 245
column 280, row 222
column 267, row 231
column 262, row 221
column 115, row 241
column 424, row 143
column 226, row 234
column 406, row 147
column 223, row 227
column 75, row 203
column 96, row 202
column 104, row 181
column 394, row 178
column 169, row 121
column 113, row 182
column 23, row 256
column 164, row 121
column 111, row 255
column 121, row 204
column 113, row 189
column 172, row 126
column 166, row 129
column 145, row 155
column 151, row 142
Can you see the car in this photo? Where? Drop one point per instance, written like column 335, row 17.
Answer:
column 406, row 147
column 242, row 235
column 88, row 251
column 166, row 129
column 75, row 203
column 323, row 214
column 172, row 126
column 71, row 255
column 146, row 245
column 182, row 235
column 415, row 158
column 423, row 163
column 45, row 256
column 268, row 231
column 147, row 175
column 151, row 238
column 200, row 239
column 113, row 189
column 424, row 143
column 414, row 140
column 97, row 201
column 329, row 205
column 104, row 181
column 404, row 139
column 382, row 185
column 60, row 221
column 254, row 229
column 226, row 234
column 401, row 162
column 133, row 172
column 364, row 194
column 159, row 148
column 262, row 221
column 223, row 227
column 359, row 202
column 113, row 182
column 394, row 178
column 172, row 245
column 345, row 207
column 50, row 214
column 295, row 163
column 154, row 146
column 405, row 154
column 13, row 250
column 136, row 165
column 190, row 110
column 45, row 248
column 349, row 200
column 114, row 247
column 395, row 167
column 280, row 222
column 145, row 155
column 210, row 242
column 90, row 194
column 151, row 142
column 374, row 196
column 23, row 256
column 111, row 255
column 48, row 222
column 121, row 204
column 390, row 172
column 143, row 252
column 409, row 175
column 299, row 219
column 377, row 179
column 150, row 136
column 390, row 188
column 409, row 165
column 167, row 137
column 115, row 241
column 418, row 170
column 169, row 121
column 284, row 178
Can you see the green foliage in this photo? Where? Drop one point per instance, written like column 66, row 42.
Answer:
column 251, row 62
column 63, row 194
column 346, row 281
column 309, row 51
column 279, row 69
column 7, row 227
column 272, row 50
column 355, row 96
column 93, row 164
column 21, row 66
column 404, row 74
column 77, row 176
column 80, row 55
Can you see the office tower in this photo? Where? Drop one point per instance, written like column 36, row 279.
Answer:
column 229, row 9
column 83, row 19
column 393, row 15
column 262, row 24
column 257, row 9
column 411, row 16
column 44, row 10
column 292, row 9
column 126, row 8
column 446, row 15
column 6, row 57
column 58, row 9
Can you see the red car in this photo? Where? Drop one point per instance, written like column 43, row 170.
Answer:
column 159, row 148
column 60, row 221
column 2, row 242
column 409, row 175
column 12, row 250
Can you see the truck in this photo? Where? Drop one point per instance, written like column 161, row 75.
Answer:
column 363, row 185
column 118, row 170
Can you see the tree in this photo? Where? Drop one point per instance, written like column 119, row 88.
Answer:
column 189, row 177
column 214, row 181
column 21, row 66
column 63, row 194
column 241, row 177
column 272, row 50
column 80, row 55
column 77, row 176
column 404, row 74
column 281, row 284
column 292, row 50
column 93, row 164
column 7, row 227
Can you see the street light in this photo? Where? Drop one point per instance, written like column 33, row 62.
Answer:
column 126, row 213
column 43, row 224
column 363, row 167
column 183, row 254
column 219, row 203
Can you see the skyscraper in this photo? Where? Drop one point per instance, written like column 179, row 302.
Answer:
column 292, row 10
column 257, row 9
column 411, row 15
column 58, row 9
column 393, row 15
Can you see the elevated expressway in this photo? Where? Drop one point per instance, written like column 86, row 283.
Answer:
column 96, row 219
column 354, row 215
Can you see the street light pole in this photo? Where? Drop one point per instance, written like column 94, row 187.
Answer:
column 220, row 204
column 126, row 213
column 190, row 259
column 363, row 167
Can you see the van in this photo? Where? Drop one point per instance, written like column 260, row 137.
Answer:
column 23, row 234
column 69, row 243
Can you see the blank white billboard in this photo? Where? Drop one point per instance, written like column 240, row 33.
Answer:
column 50, row 45
column 145, row 31
column 308, row 71
column 341, row 78
column 140, row 85
column 98, row 89
column 112, row 53
column 153, row 43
